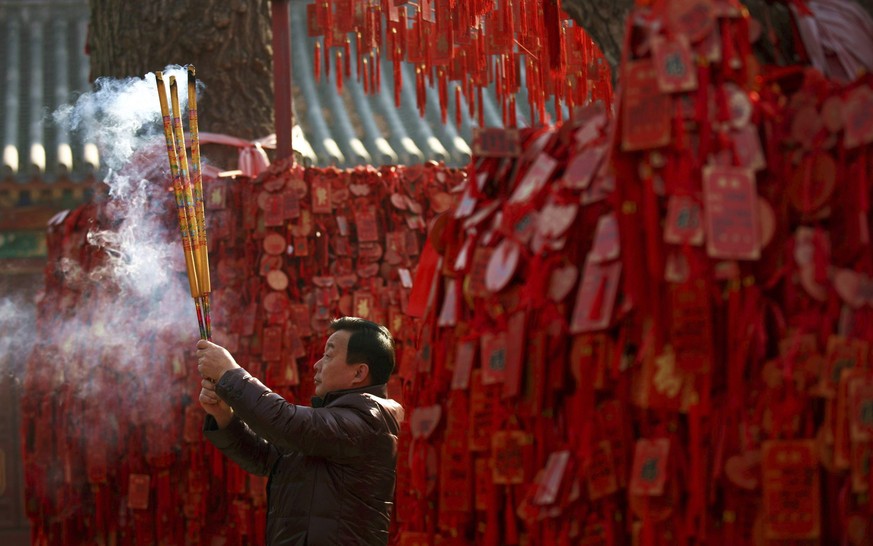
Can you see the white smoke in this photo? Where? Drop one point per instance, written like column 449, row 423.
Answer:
column 139, row 250
column 17, row 326
column 121, row 116
column 138, row 292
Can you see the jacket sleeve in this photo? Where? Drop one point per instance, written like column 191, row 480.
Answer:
column 240, row 444
column 334, row 432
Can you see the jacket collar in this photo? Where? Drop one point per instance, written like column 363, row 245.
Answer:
column 380, row 390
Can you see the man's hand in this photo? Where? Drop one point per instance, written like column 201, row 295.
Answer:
column 213, row 360
column 213, row 405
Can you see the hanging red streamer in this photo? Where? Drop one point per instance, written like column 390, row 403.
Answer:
column 474, row 44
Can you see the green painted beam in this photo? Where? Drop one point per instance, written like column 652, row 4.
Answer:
column 22, row 244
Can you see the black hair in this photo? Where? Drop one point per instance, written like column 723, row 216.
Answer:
column 370, row 344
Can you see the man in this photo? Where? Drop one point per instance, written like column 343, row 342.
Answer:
column 331, row 467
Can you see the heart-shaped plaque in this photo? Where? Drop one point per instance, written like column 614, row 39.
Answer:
column 744, row 470
column 425, row 420
column 561, row 282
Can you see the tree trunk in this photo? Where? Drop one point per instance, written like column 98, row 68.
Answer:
column 604, row 21
column 228, row 41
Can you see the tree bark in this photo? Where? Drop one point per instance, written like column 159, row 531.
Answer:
column 228, row 41
column 604, row 21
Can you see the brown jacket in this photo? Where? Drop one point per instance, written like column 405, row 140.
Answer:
column 331, row 467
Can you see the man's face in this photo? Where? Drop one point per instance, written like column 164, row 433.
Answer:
column 332, row 372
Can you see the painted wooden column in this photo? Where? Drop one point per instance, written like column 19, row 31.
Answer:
column 284, row 117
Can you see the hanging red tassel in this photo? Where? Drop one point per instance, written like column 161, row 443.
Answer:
column 498, row 82
column 504, row 112
column 570, row 96
column 539, row 94
column 552, row 28
column 471, row 103
column 508, row 74
column 347, row 49
column 398, row 77
column 422, row 89
column 378, row 71
column 419, row 91
column 458, row 105
column 360, row 56
column 596, row 310
column 730, row 58
column 481, row 110
column 444, row 95
column 491, row 536
column 327, row 60
column 371, row 67
column 582, row 83
column 647, row 535
column 316, row 60
column 479, row 56
column 515, row 69
column 510, row 524
column 339, row 72
column 513, row 115
column 531, row 89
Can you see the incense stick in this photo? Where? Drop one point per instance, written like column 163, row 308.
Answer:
column 187, row 192
column 178, row 191
column 197, row 180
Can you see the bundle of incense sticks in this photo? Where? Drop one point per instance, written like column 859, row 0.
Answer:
column 188, row 190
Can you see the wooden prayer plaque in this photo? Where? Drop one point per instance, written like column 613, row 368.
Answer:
column 646, row 116
column 649, row 474
column 791, row 490
column 731, row 209
column 138, row 491
column 496, row 142
column 674, row 64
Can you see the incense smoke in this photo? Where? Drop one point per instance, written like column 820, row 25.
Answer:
column 121, row 116
column 17, row 326
column 137, row 295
